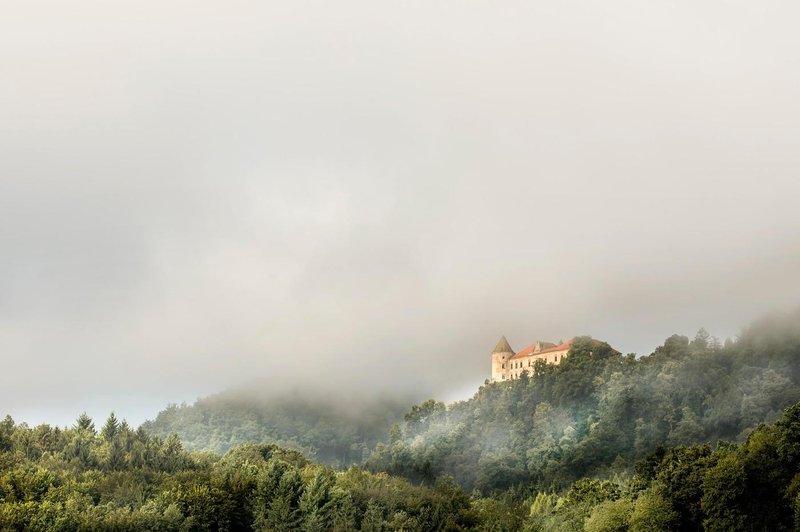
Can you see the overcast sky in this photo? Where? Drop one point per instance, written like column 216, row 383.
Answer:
column 368, row 194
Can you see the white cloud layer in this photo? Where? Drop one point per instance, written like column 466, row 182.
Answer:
column 193, row 194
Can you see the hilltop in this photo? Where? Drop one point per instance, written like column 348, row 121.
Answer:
column 598, row 412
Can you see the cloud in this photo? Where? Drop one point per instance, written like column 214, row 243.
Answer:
column 369, row 195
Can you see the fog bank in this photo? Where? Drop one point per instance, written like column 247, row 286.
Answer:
column 367, row 195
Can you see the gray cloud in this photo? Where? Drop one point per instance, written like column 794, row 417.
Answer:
column 369, row 194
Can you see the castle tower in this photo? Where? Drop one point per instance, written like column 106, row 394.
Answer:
column 502, row 352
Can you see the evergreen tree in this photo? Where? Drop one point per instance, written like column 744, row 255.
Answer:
column 373, row 520
column 284, row 514
column 84, row 422
column 316, row 503
column 110, row 428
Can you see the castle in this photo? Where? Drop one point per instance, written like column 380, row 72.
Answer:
column 507, row 365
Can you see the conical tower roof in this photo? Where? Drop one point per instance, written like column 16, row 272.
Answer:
column 502, row 346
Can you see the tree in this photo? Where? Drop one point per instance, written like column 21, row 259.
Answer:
column 343, row 515
column 84, row 422
column 110, row 428
column 701, row 340
column 6, row 434
column 283, row 513
column 373, row 518
column 610, row 516
column 316, row 503
column 171, row 454
column 724, row 493
column 681, row 474
column 421, row 416
column 652, row 511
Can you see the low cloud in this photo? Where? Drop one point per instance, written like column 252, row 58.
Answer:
column 367, row 197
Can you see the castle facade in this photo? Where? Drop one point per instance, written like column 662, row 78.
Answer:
column 508, row 365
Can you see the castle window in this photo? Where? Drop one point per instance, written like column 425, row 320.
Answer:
column 504, row 366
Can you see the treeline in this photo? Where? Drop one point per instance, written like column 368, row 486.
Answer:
column 320, row 427
column 124, row 480
column 120, row 479
column 689, row 438
column 600, row 412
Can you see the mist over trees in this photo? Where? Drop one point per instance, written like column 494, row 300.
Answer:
column 699, row 435
column 599, row 412
column 324, row 428
column 118, row 479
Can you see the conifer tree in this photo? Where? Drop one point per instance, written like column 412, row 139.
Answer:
column 284, row 514
column 111, row 427
column 316, row 502
column 84, row 422
column 373, row 518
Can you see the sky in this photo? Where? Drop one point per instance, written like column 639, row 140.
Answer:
column 349, row 195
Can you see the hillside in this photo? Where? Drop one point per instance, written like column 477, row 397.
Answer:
column 332, row 432
column 125, row 480
column 600, row 412
column 692, row 437
column 596, row 414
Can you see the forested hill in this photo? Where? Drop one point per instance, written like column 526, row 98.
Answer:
column 599, row 412
column 325, row 429
column 693, row 437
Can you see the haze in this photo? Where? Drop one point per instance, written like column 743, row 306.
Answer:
column 366, row 195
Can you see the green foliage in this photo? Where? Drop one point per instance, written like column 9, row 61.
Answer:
column 681, row 474
column 610, row 516
column 753, row 486
column 317, row 501
column 580, row 446
column 109, row 429
column 85, row 423
column 653, row 511
column 120, row 479
column 598, row 413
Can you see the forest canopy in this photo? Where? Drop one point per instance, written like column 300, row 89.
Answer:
column 599, row 412
column 699, row 435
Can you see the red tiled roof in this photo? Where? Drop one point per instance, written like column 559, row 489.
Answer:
column 559, row 347
column 564, row 346
column 529, row 350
